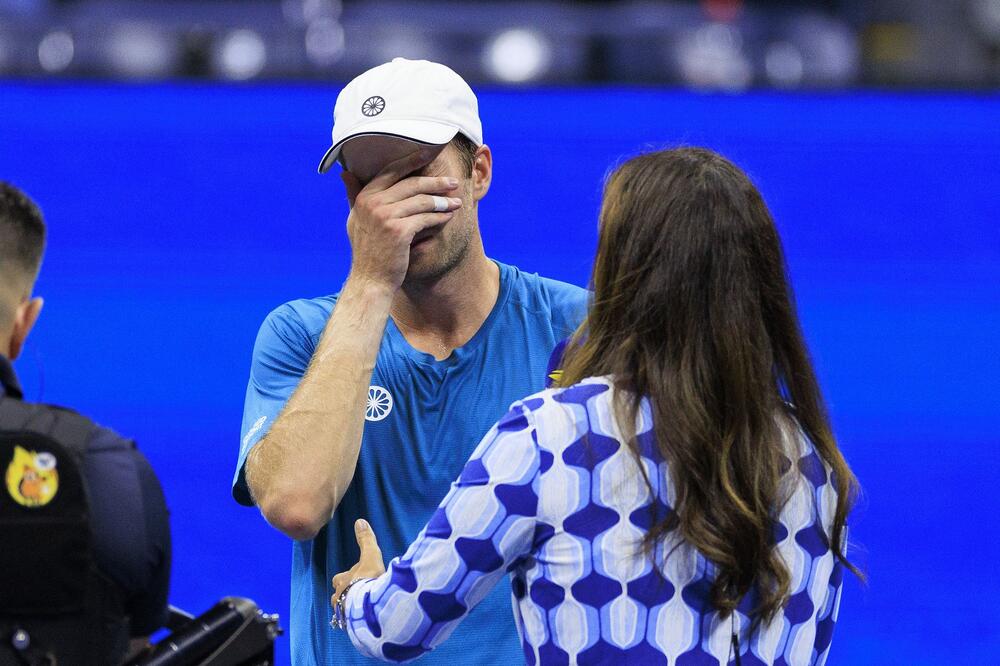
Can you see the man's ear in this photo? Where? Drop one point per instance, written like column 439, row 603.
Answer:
column 24, row 320
column 482, row 172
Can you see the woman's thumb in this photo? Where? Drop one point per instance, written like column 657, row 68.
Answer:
column 366, row 540
column 363, row 532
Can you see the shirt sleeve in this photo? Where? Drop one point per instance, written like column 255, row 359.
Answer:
column 281, row 355
column 484, row 527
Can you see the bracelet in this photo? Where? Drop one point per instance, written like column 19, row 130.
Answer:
column 339, row 620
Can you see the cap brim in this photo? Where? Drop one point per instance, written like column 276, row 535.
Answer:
column 425, row 132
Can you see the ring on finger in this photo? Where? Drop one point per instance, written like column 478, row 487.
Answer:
column 440, row 203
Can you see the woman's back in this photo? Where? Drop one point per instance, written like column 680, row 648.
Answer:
column 590, row 594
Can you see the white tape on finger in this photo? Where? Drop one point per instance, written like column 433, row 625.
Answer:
column 440, row 204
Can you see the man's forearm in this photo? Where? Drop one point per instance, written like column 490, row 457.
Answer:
column 300, row 471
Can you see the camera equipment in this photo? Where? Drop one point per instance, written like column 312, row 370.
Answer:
column 233, row 632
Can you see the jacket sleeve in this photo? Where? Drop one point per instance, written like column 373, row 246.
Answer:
column 483, row 528
column 826, row 616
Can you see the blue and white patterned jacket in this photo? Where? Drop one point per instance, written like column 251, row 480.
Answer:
column 566, row 521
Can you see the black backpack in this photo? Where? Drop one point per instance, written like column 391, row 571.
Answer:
column 55, row 606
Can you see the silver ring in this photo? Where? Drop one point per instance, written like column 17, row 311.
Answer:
column 440, row 203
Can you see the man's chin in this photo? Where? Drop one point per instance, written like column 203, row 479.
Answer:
column 428, row 266
column 425, row 272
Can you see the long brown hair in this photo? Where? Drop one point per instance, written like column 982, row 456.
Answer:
column 693, row 310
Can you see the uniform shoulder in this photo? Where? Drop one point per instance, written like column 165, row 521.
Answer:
column 68, row 426
column 104, row 438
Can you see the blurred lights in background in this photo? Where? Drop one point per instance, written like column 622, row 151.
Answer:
column 140, row 50
column 55, row 51
column 726, row 45
column 240, row 55
column 987, row 14
column 783, row 64
column 518, row 55
column 324, row 41
column 712, row 56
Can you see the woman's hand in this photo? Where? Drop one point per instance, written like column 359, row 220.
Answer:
column 369, row 565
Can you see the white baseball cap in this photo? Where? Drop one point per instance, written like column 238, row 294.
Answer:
column 417, row 100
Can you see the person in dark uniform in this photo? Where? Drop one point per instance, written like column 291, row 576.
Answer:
column 128, row 518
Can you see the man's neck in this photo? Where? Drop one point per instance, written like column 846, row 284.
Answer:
column 440, row 315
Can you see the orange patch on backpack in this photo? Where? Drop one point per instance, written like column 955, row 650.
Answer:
column 32, row 479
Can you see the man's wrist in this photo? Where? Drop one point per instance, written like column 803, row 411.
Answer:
column 368, row 289
column 357, row 323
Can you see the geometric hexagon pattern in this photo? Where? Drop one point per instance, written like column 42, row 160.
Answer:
column 552, row 497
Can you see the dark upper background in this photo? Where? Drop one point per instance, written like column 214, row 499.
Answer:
column 182, row 209
column 715, row 44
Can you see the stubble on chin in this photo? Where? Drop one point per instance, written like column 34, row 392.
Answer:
column 443, row 261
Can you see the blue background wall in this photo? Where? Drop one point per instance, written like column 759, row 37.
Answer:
column 180, row 215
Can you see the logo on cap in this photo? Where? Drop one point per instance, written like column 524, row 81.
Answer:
column 373, row 106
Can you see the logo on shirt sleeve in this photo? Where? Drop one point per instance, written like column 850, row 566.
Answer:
column 379, row 404
column 254, row 429
column 32, row 479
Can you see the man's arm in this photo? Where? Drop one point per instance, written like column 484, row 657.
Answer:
column 298, row 473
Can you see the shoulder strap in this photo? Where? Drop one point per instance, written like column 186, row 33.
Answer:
column 70, row 429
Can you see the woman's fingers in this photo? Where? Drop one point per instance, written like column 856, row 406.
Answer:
column 369, row 566
column 339, row 583
column 370, row 552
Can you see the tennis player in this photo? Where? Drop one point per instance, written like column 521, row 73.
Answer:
column 368, row 403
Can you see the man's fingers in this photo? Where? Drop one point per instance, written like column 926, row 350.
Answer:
column 395, row 171
column 417, row 223
column 415, row 185
column 352, row 184
column 426, row 203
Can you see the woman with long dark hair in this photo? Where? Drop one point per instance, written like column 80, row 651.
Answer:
column 679, row 497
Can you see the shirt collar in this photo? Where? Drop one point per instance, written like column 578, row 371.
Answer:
column 11, row 387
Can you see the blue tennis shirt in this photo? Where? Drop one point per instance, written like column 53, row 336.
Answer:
column 423, row 419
